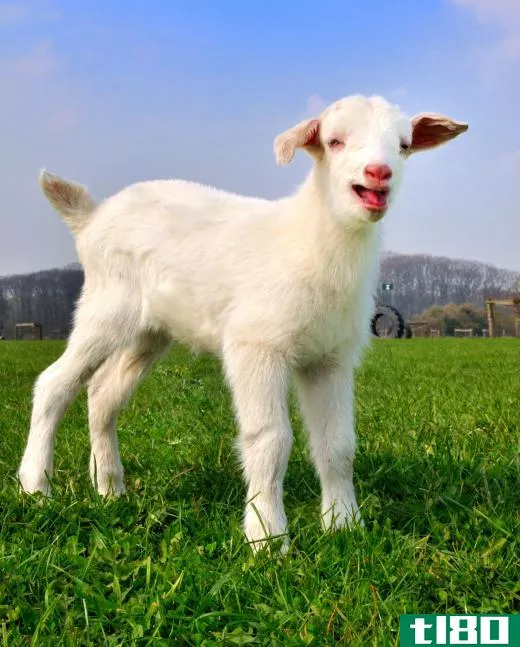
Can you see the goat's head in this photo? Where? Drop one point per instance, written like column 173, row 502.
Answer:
column 359, row 145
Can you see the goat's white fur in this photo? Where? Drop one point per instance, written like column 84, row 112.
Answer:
column 275, row 288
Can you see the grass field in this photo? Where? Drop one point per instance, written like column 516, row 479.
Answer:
column 437, row 475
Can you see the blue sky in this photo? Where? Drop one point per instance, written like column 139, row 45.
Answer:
column 108, row 93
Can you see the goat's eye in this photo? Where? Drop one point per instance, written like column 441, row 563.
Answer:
column 404, row 146
column 335, row 143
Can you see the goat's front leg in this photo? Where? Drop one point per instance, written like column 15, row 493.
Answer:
column 326, row 401
column 258, row 378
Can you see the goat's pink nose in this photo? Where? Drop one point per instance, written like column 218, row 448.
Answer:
column 379, row 172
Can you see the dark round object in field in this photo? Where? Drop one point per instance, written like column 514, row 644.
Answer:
column 387, row 322
column 407, row 332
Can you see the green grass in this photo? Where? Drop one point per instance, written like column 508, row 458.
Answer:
column 437, row 475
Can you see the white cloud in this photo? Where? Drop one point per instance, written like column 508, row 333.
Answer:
column 64, row 118
column 16, row 12
column 315, row 105
column 503, row 14
column 38, row 62
column 398, row 93
column 11, row 12
column 498, row 11
column 508, row 163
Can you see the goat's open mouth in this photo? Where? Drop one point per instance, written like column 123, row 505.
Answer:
column 372, row 199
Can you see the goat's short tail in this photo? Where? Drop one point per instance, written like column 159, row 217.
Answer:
column 72, row 201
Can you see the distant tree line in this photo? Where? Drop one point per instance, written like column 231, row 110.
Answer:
column 419, row 282
column 446, row 318
column 46, row 297
column 422, row 281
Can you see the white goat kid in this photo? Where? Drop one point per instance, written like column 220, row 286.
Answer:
column 275, row 288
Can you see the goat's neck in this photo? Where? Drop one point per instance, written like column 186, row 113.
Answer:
column 343, row 252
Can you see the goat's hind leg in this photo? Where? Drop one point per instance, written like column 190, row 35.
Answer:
column 89, row 345
column 109, row 390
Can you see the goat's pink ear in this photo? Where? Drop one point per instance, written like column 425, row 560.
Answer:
column 306, row 135
column 430, row 129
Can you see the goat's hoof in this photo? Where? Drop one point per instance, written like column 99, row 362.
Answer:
column 259, row 540
column 271, row 545
column 31, row 484
column 112, row 491
column 350, row 519
column 109, row 483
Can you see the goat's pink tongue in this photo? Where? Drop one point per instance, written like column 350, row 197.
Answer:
column 374, row 198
